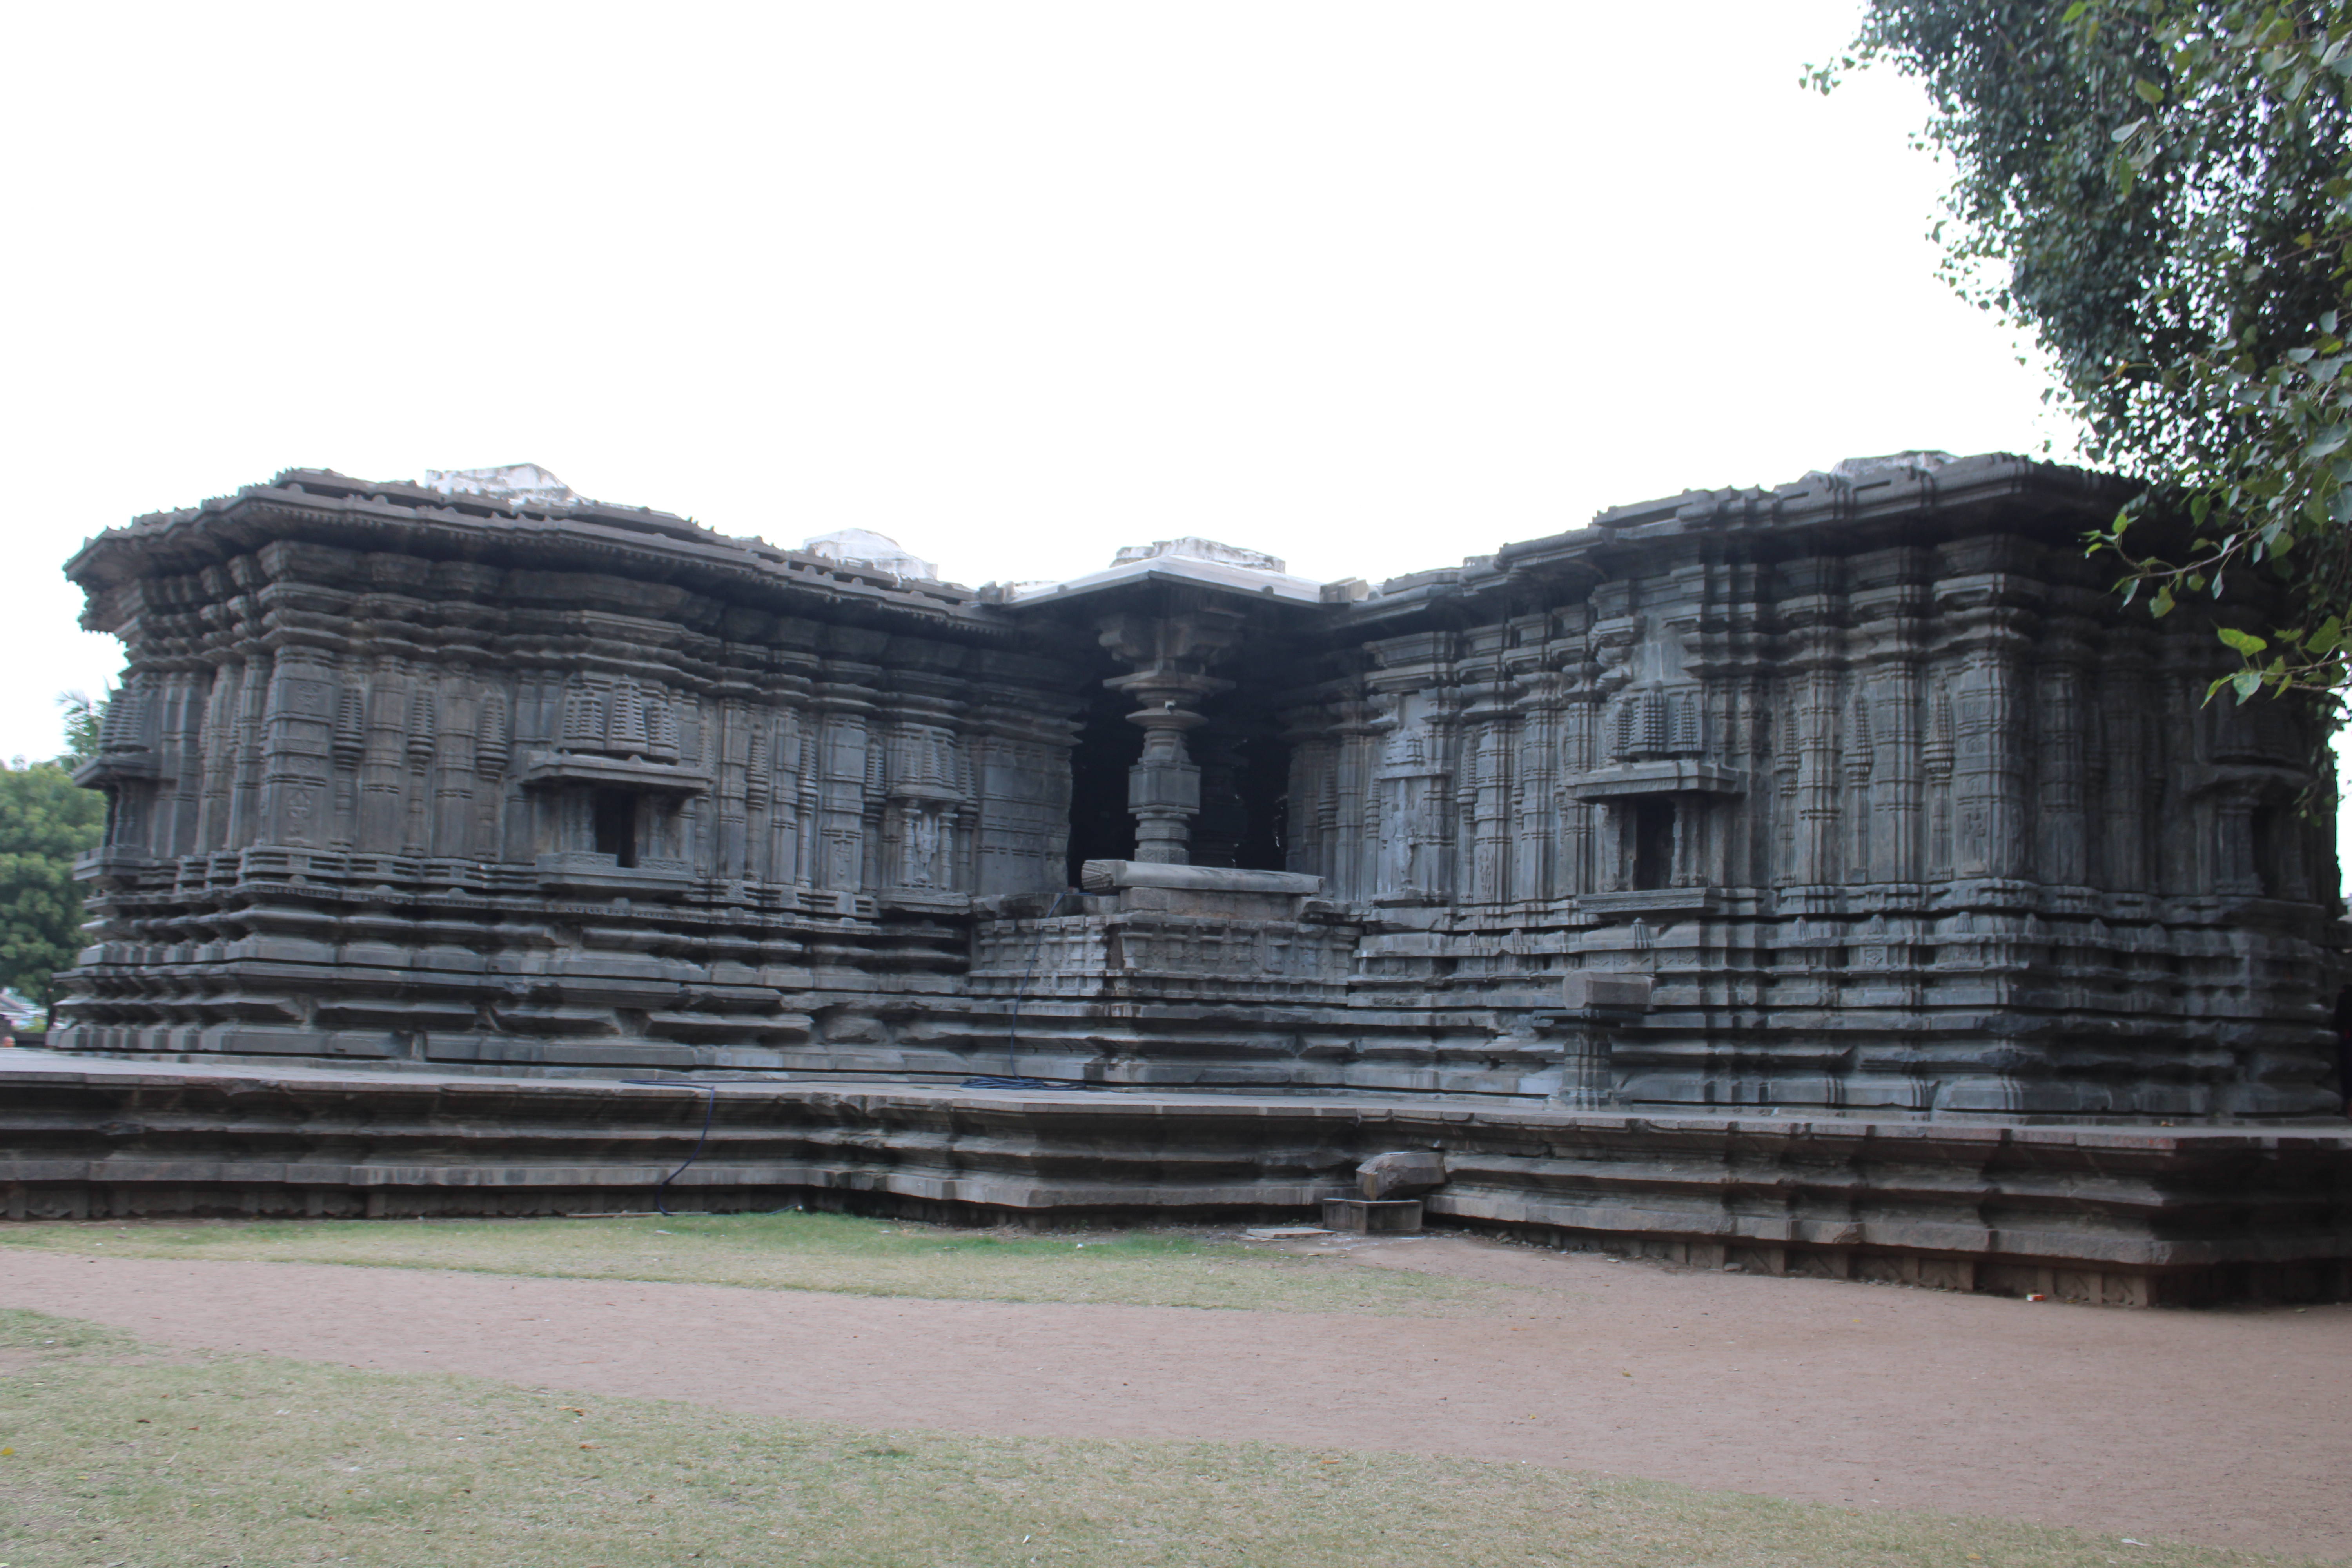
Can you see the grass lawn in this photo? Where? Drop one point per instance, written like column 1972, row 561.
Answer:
column 116, row 1453
column 814, row 1252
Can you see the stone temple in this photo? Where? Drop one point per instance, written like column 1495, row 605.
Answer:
column 1860, row 798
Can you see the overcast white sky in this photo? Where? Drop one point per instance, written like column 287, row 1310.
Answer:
column 1372, row 286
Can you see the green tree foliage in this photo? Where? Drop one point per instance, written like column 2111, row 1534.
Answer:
column 2158, row 189
column 84, row 716
column 45, row 819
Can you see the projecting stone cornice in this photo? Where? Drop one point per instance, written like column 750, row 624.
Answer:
column 548, row 770
column 1919, row 506
column 1215, row 577
column 453, row 533
column 116, row 766
column 1648, row 901
column 1672, row 776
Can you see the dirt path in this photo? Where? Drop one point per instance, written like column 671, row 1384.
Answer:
column 2229, row 1429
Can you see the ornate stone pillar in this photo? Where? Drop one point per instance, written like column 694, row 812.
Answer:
column 1171, row 652
column 1163, row 788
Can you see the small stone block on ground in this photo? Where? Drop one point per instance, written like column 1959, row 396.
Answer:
column 1284, row 1233
column 1367, row 1216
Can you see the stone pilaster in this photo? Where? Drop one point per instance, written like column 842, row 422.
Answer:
column 296, row 782
column 245, row 815
column 2061, row 829
column 1534, row 848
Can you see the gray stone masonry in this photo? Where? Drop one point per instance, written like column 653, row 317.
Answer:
column 1859, row 796
column 2131, row 1216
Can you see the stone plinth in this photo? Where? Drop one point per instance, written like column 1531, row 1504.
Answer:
column 1172, row 933
column 2131, row 1216
column 1372, row 1216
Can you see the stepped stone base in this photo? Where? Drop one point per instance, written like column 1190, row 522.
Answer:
column 2132, row 1216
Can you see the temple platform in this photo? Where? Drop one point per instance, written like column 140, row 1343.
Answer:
column 2124, row 1214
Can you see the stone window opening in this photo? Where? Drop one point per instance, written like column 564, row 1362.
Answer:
column 615, row 815
column 1654, row 826
column 2266, row 834
column 128, row 802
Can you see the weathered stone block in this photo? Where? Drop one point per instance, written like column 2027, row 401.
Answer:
column 1400, row 1173
column 1366, row 1217
column 1588, row 990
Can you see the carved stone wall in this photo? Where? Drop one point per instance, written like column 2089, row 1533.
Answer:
column 396, row 775
column 1916, row 825
column 1890, row 802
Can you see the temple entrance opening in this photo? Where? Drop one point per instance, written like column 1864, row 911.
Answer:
column 1107, row 745
column 1264, row 789
column 1244, row 779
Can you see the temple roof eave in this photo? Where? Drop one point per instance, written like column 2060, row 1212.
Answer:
column 1792, row 519
column 314, row 507
column 1174, row 570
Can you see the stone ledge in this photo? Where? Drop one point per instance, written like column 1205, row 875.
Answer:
column 1104, row 876
column 547, row 769
column 2176, row 1214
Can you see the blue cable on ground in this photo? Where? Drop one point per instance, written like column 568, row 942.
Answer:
column 709, row 1109
column 987, row 1082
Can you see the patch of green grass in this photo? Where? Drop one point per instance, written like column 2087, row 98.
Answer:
column 160, row 1460
column 817, row 1252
